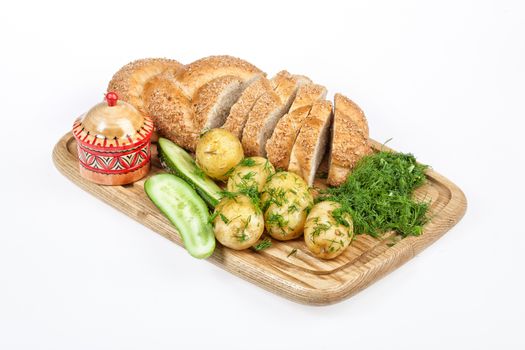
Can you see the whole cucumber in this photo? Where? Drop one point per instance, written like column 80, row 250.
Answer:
column 186, row 210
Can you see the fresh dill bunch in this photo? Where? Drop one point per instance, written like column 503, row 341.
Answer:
column 378, row 195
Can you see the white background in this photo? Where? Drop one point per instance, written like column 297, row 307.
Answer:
column 444, row 79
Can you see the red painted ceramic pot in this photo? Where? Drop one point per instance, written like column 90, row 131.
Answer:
column 113, row 141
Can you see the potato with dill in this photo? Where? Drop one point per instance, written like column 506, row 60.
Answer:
column 217, row 152
column 250, row 172
column 286, row 201
column 237, row 222
column 327, row 232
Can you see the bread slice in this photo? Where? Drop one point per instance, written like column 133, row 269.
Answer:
column 302, row 79
column 283, row 76
column 349, row 139
column 212, row 102
column 310, row 145
column 128, row 82
column 198, row 73
column 307, row 95
column 239, row 111
column 267, row 111
column 279, row 146
column 171, row 110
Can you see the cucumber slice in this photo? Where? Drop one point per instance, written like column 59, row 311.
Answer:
column 186, row 210
column 178, row 161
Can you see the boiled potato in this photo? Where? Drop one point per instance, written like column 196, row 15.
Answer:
column 237, row 223
column 217, row 152
column 250, row 172
column 324, row 236
column 285, row 200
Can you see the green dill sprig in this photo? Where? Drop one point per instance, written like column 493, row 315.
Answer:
column 229, row 172
column 199, row 172
column 228, row 194
column 212, row 217
column 224, row 218
column 262, row 245
column 319, row 228
column 275, row 219
column 293, row 252
column 241, row 232
column 249, row 176
column 267, row 167
column 294, row 207
column 276, row 196
column 241, row 237
column 247, row 162
column 249, row 191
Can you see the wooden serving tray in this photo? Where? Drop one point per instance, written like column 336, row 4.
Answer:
column 300, row 277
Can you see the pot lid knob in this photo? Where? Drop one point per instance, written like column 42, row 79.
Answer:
column 112, row 98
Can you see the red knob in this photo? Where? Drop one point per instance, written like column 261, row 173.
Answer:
column 112, row 98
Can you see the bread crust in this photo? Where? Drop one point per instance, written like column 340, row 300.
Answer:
column 310, row 145
column 238, row 116
column 199, row 72
column 128, row 82
column 279, row 146
column 349, row 139
column 171, row 111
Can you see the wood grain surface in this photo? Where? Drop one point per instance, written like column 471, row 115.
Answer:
column 300, row 277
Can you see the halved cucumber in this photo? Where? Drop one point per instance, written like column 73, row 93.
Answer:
column 186, row 210
column 178, row 161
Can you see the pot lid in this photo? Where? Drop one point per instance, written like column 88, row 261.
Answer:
column 113, row 123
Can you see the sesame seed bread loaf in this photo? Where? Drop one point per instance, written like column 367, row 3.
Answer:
column 212, row 102
column 184, row 100
column 239, row 112
column 198, row 73
column 267, row 111
column 310, row 145
column 279, row 146
column 128, row 82
column 349, row 139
